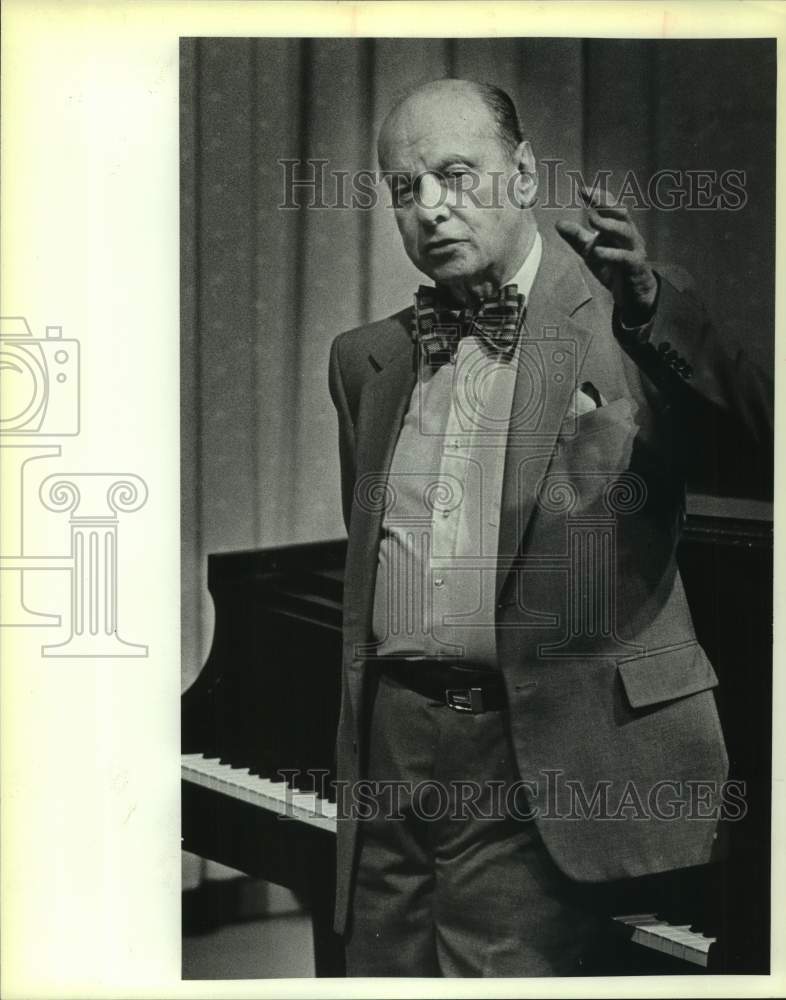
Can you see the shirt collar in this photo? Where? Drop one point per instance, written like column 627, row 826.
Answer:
column 525, row 276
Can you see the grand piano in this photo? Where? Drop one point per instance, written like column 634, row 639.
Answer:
column 259, row 722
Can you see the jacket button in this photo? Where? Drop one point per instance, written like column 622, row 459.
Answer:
column 664, row 348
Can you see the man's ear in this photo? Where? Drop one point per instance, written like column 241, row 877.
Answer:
column 526, row 186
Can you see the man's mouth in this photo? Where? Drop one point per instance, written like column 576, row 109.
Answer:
column 441, row 246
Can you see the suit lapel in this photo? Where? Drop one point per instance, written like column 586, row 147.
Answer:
column 383, row 404
column 382, row 407
column 553, row 351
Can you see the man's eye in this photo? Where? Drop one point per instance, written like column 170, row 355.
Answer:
column 456, row 176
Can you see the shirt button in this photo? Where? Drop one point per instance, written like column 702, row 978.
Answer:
column 439, row 582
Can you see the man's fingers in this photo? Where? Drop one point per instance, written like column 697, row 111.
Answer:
column 616, row 255
column 612, row 211
column 610, row 215
column 614, row 252
column 623, row 233
column 603, row 203
column 595, row 198
column 582, row 240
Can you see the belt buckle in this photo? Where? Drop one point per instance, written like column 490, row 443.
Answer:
column 464, row 699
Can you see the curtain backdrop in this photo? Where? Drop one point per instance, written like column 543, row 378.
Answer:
column 265, row 289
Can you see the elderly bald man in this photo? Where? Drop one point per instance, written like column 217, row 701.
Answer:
column 516, row 635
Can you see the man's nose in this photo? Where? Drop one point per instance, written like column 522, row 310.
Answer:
column 431, row 200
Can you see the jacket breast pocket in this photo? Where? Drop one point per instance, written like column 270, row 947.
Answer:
column 601, row 439
column 666, row 674
column 619, row 412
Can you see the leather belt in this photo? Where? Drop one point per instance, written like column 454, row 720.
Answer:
column 462, row 689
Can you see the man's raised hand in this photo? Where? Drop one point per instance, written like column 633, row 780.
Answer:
column 613, row 249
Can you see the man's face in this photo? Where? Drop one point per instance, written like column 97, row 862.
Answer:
column 459, row 224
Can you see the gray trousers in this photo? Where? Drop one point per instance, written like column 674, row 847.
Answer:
column 449, row 883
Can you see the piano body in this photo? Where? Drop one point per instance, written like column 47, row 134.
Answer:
column 267, row 700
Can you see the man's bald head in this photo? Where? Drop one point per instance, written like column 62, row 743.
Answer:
column 475, row 102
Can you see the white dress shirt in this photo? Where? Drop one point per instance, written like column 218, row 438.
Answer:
column 436, row 574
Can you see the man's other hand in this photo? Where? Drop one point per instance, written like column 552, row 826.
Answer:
column 613, row 249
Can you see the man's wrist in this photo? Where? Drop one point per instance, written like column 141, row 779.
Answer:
column 633, row 322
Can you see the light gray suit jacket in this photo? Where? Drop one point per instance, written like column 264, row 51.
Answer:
column 622, row 701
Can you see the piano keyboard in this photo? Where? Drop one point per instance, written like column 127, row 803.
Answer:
column 671, row 939
column 314, row 810
column 273, row 796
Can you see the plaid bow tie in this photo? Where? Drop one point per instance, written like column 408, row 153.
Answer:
column 438, row 328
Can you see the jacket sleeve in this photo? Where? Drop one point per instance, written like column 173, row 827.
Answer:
column 346, row 430
column 716, row 391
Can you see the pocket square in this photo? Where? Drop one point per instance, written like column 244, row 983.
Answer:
column 584, row 399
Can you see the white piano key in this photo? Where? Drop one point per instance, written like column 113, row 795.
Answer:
column 211, row 766
column 274, row 789
column 245, row 779
column 306, row 800
column 637, row 919
column 273, row 796
column 201, row 775
column 240, row 779
column 677, row 940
